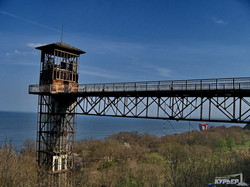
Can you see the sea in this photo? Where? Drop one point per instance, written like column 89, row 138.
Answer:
column 17, row 127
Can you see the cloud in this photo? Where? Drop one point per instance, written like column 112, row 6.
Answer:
column 34, row 45
column 18, row 57
column 164, row 72
column 8, row 59
column 29, row 21
column 160, row 71
column 219, row 21
column 18, row 52
column 130, row 60
column 98, row 74
column 13, row 53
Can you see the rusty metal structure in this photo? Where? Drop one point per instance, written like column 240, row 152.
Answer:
column 218, row 100
column 56, row 119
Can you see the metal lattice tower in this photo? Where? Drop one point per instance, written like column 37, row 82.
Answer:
column 56, row 119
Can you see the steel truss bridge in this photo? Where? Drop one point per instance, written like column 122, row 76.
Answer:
column 217, row 100
column 61, row 97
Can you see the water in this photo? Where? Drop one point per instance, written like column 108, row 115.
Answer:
column 16, row 127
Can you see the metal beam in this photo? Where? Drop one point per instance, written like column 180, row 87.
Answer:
column 220, row 109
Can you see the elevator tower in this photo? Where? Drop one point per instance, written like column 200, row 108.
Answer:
column 56, row 113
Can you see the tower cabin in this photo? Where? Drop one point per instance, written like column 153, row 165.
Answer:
column 59, row 68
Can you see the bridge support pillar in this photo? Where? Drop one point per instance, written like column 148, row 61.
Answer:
column 55, row 140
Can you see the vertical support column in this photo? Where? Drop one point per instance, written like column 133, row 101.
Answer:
column 201, row 109
column 234, row 108
column 55, row 138
column 172, row 106
column 210, row 108
column 158, row 107
column 240, row 106
column 182, row 107
column 147, row 106
column 136, row 106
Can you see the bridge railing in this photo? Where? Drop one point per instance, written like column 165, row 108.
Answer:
column 178, row 85
column 45, row 88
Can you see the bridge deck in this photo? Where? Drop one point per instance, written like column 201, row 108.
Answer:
column 195, row 87
column 221, row 100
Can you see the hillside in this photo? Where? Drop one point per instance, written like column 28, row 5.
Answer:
column 131, row 159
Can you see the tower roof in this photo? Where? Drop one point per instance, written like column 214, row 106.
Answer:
column 62, row 46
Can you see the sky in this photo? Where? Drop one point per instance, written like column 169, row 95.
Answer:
column 125, row 40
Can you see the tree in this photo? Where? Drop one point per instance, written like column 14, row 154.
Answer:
column 221, row 144
column 231, row 143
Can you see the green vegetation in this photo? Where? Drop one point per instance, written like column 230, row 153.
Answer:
column 132, row 159
column 188, row 159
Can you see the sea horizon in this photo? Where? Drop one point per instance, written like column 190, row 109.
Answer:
column 16, row 127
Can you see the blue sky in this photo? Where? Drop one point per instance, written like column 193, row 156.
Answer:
column 129, row 40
